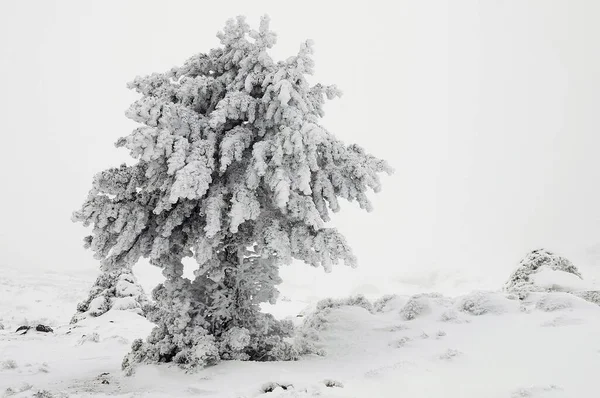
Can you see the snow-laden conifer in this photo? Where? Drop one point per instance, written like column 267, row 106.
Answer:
column 234, row 170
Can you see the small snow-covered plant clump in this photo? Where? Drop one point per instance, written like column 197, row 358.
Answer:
column 233, row 169
column 555, row 301
column 115, row 289
column 480, row 303
column 318, row 318
column 352, row 301
column 449, row 354
column 389, row 302
column 333, row 383
column 593, row 296
column 422, row 304
column 9, row 364
column 451, row 315
column 273, row 386
column 522, row 280
column 415, row 307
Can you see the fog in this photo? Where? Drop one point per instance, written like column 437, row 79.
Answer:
column 488, row 111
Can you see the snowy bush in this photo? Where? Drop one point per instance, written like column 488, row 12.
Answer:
column 352, row 301
column 480, row 303
column 422, row 304
column 593, row 296
column 523, row 279
column 234, row 170
column 318, row 319
column 416, row 306
column 118, row 290
column 272, row 386
column 9, row 364
column 389, row 302
column 333, row 383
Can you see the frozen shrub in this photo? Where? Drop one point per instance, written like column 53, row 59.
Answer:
column 380, row 304
column 593, row 296
column 272, row 386
column 117, row 290
column 352, row 301
column 480, row 303
column 332, row 383
column 318, row 319
column 414, row 308
column 521, row 282
column 45, row 394
column 9, row 364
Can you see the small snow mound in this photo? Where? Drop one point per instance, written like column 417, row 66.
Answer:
column 523, row 279
column 480, row 303
column 450, row 354
column 562, row 321
column 452, row 316
column 125, row 304
column 89, row 338
column 539, row 392
column 560, row 301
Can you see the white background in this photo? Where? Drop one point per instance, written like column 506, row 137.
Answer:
column 488, row 111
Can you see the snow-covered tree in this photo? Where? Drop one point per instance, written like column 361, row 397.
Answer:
column 234, row 170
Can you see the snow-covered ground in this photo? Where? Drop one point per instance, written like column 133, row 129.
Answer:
column 481, row 344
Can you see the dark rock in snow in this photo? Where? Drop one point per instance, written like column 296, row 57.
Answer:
column 39, row 328
column 44, row 328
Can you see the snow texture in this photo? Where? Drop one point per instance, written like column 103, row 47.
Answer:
column 371, row 349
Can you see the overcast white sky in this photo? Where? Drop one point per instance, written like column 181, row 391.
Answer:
column 488, row 110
